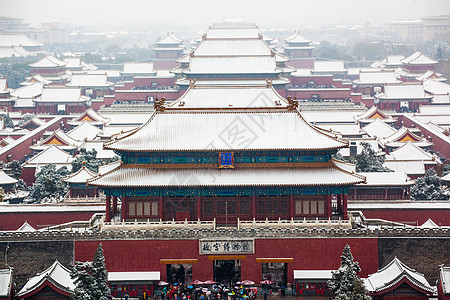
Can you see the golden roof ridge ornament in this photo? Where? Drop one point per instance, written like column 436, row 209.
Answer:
column 292, row 103
column 159, row 104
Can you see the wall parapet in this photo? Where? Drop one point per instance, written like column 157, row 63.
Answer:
column 227, row 232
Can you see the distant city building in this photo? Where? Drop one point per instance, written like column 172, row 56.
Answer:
column 423, row 30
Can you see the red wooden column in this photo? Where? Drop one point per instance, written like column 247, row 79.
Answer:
column 345, row 196
column 161, row 208
column 108, row 209
column 254, row 206
column 329, row 212
column 114, row 205
column 199, row 207
column 339, row 203
column 124, row 207
column 291, row 206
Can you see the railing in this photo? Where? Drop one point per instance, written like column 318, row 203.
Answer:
column 78, row 226
column 140, row 225
column 295, row 223
column 96, row 199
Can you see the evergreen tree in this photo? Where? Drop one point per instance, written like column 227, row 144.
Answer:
column 84, row 281
column 428, row 187
column 91, row 279
column 368, row 161
column 49, row 185
column 90, row 159
column 8, row 122
column 16, row 169
column 101, row 291
column 345, row 284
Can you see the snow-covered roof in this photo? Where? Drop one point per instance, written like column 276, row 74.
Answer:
column 84, row 131
column 232, row 65
column 328, row 66
column 25, row 227
column 446, row 177
column 48, row 61
column 296, row 39
column 418, row 58
column 80, row 176
column 36, row 78
column 4, row 85
column 398, row 204
column 89, row 115
column 6, row 282
column 103, row 169
column 34, row 120
column 263, row 130
column 313, row 274
column 72, row 62
column 60, row 94
column 16, row 51
column 89, row 80
column 109, row 131
column 59, row 138
column 409, row 167
column 430, row 75
column 392, row 274
column 343, row 129
column 377, row 77
column 138, row 68
column 444, row 277
column 233, row 33
column 390, row 61
column 6, row 179
column 404, row 135
column 226, row 97
column 169, row 39
column 57, row 274
column 29, row 91
column 146, row 177
column 17, row 40
column 232, row 47
column 51, row 155
column 379, row 129
column 409, row 151
column 404, row 91
column 133, row 276
column 436, row 87
column 335, row 116
column 429, row 224
column 385, row 179
column 109, row 73
column 372, row 114
column 234, row 83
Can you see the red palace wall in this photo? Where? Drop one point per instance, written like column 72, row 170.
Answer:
column 307, row 253
column 307, row 63
column 317, row 79
column 164, row 64
column 12, row 221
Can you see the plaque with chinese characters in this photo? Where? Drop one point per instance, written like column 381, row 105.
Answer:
column 226, row 160
column 227, row 246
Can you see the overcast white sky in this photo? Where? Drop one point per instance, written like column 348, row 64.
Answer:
column 266, row 13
